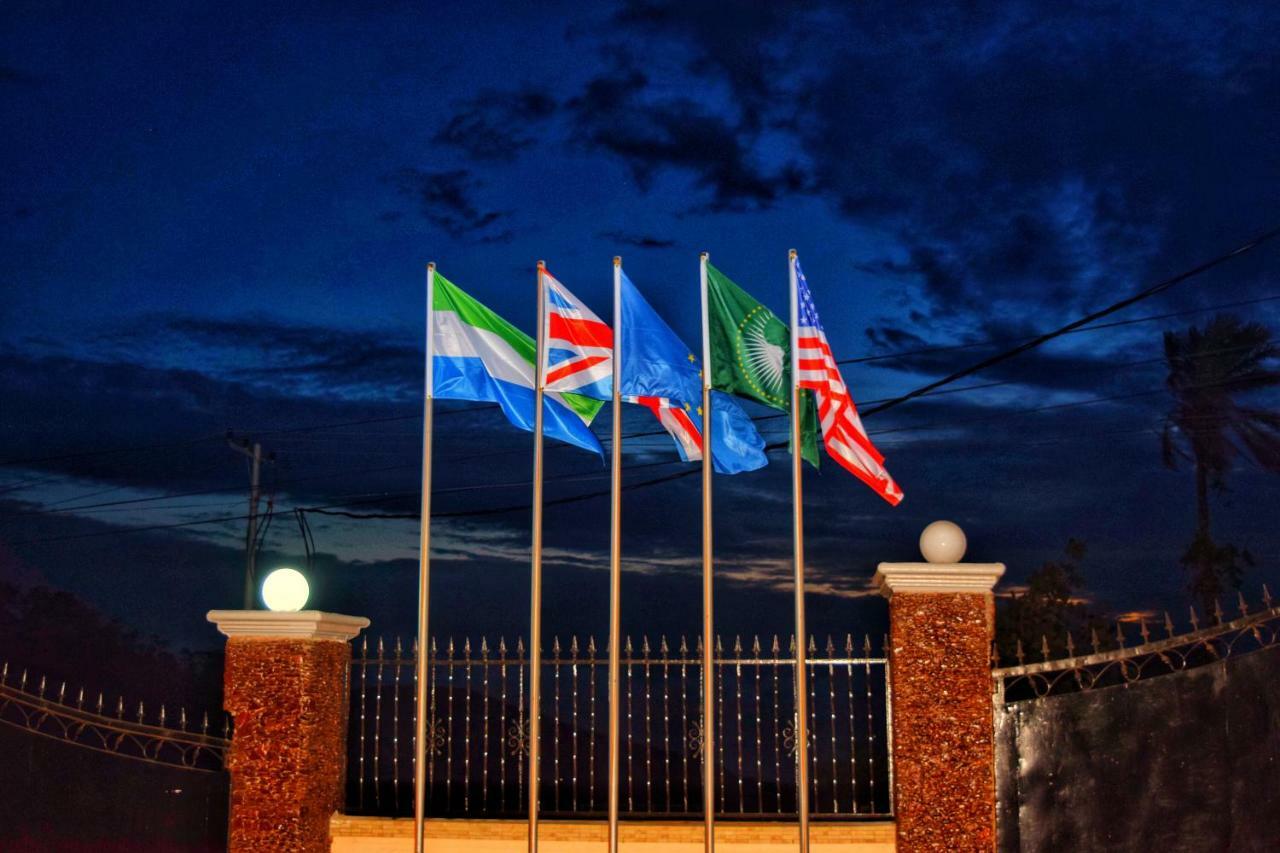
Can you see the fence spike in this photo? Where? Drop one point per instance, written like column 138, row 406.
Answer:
column 466, row 648
column 1266, row 597
column 98, row 708
column 831, row 647
column 719, row 646
column 381, row 646
column 591, row 646
column 140, row 711
column 162, row 714
column 813, row 645
column 204, row 723
column 1240, row 603
column 573, row 645
column 22, row 684
column 791, row 646
column 776, row 649
column 1119, row 635
column 80, row 700
column 182, row 718
column 684, row 647
column 226, row 727
column 662, row 646
column 1019, row 653
column 120, row 708
column 435, row 650
column 1071, row 645
column 1195, row 620
column 1168, row 625
column 848, row 645
column 644, row 644
column 995, row 655
column 1142, row 630
column 1217, row 610
column 42, row 687
column 737, row 646
column 755, row 645
column 413, row 647
column 697, row 645
column 484, row 647
column 502, row 646
column 866, row 645
column 449, row 649
column 1093, row 639
column 62, row 692
column 626, row 647
column 4, row 673
column 1044, row 647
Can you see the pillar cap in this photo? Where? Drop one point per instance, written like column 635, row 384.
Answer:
column 977, row 578
column 298, row 625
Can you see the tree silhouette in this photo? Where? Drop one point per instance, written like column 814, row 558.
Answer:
column 1208, row 427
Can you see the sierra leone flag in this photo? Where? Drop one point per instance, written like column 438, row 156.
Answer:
column 480, row 356
column 751, row 354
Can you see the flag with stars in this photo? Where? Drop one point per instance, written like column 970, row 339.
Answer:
column 660, row 373
column 842, row 431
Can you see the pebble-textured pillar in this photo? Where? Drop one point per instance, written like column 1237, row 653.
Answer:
column 285, row 687
column 940, row 631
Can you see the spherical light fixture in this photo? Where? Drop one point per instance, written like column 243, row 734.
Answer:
column 285, row 590
column 943, row 542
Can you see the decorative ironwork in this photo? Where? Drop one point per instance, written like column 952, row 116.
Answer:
column 1126, row 664
column 137, row 739
column 478, row 729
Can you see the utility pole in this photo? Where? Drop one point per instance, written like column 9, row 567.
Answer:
column 254, row 452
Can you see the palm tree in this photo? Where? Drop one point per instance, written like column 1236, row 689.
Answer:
column 1210, row 428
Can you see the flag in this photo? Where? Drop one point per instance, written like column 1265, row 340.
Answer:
column 662, row 374
column 842, row 431
column 751, row 354
column 579, row 345
column 480, row 356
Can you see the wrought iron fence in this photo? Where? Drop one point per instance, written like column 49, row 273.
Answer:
column 478, row 740
column 126, row 732
column 1124, row 662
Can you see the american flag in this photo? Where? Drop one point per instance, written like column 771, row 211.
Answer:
column 842, row 431
column 579, row 345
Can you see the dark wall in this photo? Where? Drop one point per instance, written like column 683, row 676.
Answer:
column 56, row 797
column 1182, row 762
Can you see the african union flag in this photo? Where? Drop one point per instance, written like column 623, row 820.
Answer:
column 751, row 354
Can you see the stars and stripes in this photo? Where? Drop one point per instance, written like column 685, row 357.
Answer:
column 842, row 431
column 579, row 345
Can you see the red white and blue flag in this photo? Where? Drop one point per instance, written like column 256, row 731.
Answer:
column 579, row 345
column 842, row 431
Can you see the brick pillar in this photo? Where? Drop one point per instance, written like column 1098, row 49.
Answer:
column 285, row 687
column 941, row 623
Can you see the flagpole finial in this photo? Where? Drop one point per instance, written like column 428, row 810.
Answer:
column 791, row 253
column 706, row 256
column 542, row 265
column 431, row 266
column 617, row 260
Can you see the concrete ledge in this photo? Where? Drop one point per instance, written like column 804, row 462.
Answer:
column 394, row 835
column 301, row 625
column 937, row 577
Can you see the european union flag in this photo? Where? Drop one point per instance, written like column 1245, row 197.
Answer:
column 661, row 373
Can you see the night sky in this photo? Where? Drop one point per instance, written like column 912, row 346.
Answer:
column 217, row 216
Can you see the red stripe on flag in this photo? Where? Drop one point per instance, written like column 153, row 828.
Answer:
column 582, row 332
column 574, row 367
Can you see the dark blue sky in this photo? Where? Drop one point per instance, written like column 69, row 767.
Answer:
column 217, row 215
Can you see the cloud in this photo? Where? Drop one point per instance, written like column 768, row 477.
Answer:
column 446, row 200
column 496, row 125
column 642, row 241
column 655, row 135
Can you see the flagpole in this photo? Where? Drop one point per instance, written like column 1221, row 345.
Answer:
column 424, row 584
column 797, row 538
column 535, row 591
column 615, row 561
column 708, row 627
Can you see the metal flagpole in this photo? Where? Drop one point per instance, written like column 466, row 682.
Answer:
column 708, row 627
column 801, row 727
column 535, row 592
column 615, row 561
column 424, row 585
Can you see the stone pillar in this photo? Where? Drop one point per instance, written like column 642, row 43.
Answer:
column 285, row 686
column 941, row 624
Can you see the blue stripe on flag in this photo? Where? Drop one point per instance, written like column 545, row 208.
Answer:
column 467, row 379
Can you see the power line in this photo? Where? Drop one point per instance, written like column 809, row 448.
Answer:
column 1146, row 293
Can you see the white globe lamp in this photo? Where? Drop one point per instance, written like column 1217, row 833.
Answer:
column 943, row 542
column 285, row 590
